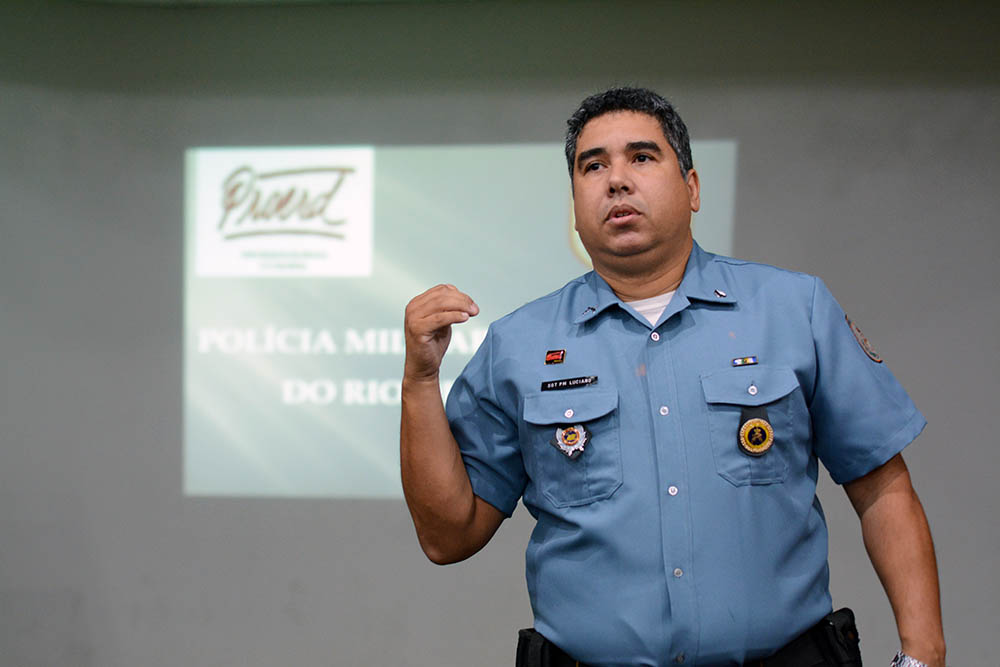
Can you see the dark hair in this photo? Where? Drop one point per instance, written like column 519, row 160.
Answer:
column 641, row 100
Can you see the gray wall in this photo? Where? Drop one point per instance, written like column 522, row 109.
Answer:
column 868, row 154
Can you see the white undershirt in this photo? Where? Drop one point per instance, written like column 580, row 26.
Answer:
column 652, row 307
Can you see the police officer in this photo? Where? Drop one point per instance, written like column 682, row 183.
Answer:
column 662, row 418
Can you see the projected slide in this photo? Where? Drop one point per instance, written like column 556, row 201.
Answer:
column 299, row 263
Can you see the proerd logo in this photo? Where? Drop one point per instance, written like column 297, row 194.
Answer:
column 284, row 212
column 281, row 202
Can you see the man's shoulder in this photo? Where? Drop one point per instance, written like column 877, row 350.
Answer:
column 754, row 268
column 558, row 304
column 748, row 278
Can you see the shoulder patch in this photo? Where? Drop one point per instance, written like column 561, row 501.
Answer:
column 863, row 341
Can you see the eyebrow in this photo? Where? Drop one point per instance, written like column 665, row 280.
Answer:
column 587, row 154
column 651, row 146
column 630, row 147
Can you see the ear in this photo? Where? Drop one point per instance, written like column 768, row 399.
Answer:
column 694, row 189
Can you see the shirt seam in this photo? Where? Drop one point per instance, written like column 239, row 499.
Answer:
column 812, row 331
column 690, row 521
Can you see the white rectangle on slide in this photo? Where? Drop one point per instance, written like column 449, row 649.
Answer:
column 282, row 212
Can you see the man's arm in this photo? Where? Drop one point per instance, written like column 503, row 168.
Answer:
column 899, row 544
column 452, row 522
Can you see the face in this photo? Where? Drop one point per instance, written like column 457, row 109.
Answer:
column 633, row 207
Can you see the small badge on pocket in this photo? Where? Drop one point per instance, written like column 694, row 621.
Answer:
column 756, row 434
column 571, row 440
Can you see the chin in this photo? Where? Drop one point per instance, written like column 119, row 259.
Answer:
column 626, row 250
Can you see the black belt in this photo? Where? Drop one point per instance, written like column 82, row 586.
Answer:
column 833, row 642
column 803, row 651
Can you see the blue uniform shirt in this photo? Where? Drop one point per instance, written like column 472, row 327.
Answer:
column 663, row 541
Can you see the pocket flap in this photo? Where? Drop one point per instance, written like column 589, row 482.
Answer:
column 568, row 406
column 754, row 385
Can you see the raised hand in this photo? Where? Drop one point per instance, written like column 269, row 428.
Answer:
column 427, row 326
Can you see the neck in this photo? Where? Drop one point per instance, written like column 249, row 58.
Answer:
column 663, row 277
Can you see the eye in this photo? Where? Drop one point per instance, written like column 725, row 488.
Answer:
column 643, row 157
column 592, row 166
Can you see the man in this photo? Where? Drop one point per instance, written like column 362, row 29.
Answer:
column 662, row 418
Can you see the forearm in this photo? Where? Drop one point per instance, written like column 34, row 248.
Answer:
column 435, row 483
column 898, row 540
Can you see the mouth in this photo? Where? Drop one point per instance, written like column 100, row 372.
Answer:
column 621, row 213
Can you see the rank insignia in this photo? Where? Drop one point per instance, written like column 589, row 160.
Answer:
column 571, row 440
column 756, row 434
column 555, row 357
column 863, row 341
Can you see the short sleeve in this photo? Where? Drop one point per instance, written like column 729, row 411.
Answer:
column 861, row 415
column 486, row 436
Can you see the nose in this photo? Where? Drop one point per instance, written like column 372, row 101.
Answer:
column 619, row 180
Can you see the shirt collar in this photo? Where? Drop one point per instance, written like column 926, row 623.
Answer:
column 703, row 281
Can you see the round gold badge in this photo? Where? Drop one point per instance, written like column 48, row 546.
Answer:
column 756, row 436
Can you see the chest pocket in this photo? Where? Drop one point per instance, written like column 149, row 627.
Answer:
column 727, row 393
column 596, row 472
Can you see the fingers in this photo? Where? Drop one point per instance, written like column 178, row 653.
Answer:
column 439, row 307
column 427, row 327
column 452, row 294
column 435, row 323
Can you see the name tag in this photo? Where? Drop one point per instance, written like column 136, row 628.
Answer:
column 569, row 383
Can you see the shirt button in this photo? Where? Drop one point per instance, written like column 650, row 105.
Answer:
column 569, row 413
column 752, row 390
column 672, row 490
column 680, row 658
column 678, row 572
column 655, row 336
column 664, row 410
